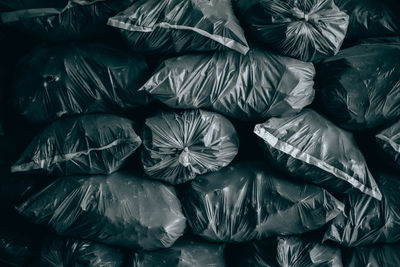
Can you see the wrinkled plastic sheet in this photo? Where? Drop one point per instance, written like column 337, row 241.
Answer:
column 308, row 30
column 61, row 20
column 360, row 85
column 179, row 146
column 77, row 78
column 118, row 209
column 63, row 251
column 389, row 141
column 311, row 148
column 253, row 87
column 86, row 144
column 248, row 201
column 384, row 255
column 368, row 221
column 187, row 251
column 174, row 26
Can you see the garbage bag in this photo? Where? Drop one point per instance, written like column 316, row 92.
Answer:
column 389, row 141
column 185, row 252
column 77, row 78
column 311, row 148
column 369, row 221
column 385, row 255
column 62, row 251
column 248, row 201
column 61, row 20
column 175, row 26
column 370, row 18
column 360, row 85
column 252, row 87
column 307, row 30
column 179, row 146
column 85, row 144
column 118, row 209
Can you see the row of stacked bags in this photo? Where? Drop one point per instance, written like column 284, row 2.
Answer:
column 200, row 133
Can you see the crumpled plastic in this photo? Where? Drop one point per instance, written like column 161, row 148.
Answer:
column 175, row 26
column 311, row 148
column 77, row 78
column 118, row 209
column 85, row 144
column 252, row 87
column 63, row 251
column 61, row 20
column 179, row 146
column 360, row 85
column 371, row 18
column 186, row 252
column 248, row 201
column 384, row 255
column 389, row 141
column 368, row 221
column 308, row 30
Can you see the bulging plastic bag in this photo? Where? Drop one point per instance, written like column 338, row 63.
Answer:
column 360, row 85
column 385, row 255
column 78, row 78
column 389, row 141
column 179, row 146
column 62, row 251
column 86, row 144
column 311, row 148
column 368, row 221
column 61, row 20
column 186, row 251
column 252, row 87
column 371, row 18
column 118, row 209
column 248, row 201
column 307, row 30
column 175, row 26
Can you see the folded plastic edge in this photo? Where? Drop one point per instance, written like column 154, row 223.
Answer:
column 394, row 145
column 298, row 154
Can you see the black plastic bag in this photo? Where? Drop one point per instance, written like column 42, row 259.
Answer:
column 119, row 209
column 62, row 251
column 61, row 20
column 175, row 26
column 311, row 148
column 389, row 141
column 85, row 144
column 252, row 87
column 186, row 251
column 371, row 18
column 56, row 81
column 368, row 221
column 385, row 255
column 307, row 30
column 360, row 85
column 179, row 146
column 248, row 201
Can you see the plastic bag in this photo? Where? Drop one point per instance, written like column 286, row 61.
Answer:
column 360, row 85
column 252, row 87
column 86, row 144
column 307, row 30
column 61, row 251
column 175, row 26
column 368, row 221
column 371, row 18
column 311, row 148
column 119, row 209
column 385, row 255
column 78, row 78
column 389, row 141
column 248, row 201
column 179, row 146
column 61, row 20
column 186, row 251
